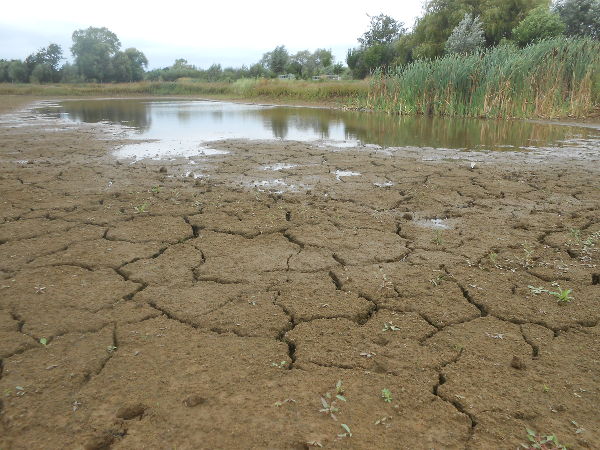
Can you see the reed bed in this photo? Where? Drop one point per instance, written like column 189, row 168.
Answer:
column 553, row 78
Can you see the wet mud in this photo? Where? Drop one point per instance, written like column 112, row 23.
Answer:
column 248, row 305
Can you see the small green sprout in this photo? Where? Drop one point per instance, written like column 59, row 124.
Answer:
column 575, row 234
column 44, row 341
column 329, row 408
column 279, row 365
column 141, row 208
column 111, row 348
column 347, row 433
column 563, row 295
column 437, row 280
column 537, row 290
column 339, row 389
column 493, row 257
column 546, row 388
column 389, row 326
column 528, row 254
column 386, row 395
column 542, row 442
column 155, row 189
column 437, row 240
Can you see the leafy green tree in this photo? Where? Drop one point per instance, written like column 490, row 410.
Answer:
column 278, row 60
column 93, row 50
column 41, row 73
column 48, row 59
column 69, row 74
column 467, row 37
column 581, row 17
column 214, row 72
column 4, row 64
column 362, row 61
column 383, row 30
column 17, row 71
column 540, row 23
column 323, row 57
column 376, row 49
column 498, row 17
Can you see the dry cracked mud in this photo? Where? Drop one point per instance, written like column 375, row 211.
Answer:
column 142, row 308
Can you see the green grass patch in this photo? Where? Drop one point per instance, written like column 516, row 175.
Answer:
column 341, row 92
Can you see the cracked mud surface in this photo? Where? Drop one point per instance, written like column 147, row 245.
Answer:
column 210, row 313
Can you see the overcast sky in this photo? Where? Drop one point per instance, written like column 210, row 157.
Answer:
column 230, row 32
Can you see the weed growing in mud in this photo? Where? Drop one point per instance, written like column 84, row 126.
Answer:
column 329, row 408
column 437, row 240
column 591, row 241
column 437, row 280
column 563, row 295
column 141, row 208
column 542, row 442
column 155, row 189
column 279, row 365
column 493, row 257
column 386, row 395
column 339, row 391
column 44, row 341
column 111, row 348
column 575, row 234
column 389, row 326
column 528, row 255
column 347, row 433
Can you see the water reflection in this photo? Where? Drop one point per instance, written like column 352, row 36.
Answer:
column 199, row 121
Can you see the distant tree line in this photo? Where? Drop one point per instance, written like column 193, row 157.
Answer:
column 97, row 58
column 446, row 26
column 303, row 65
column 464, row 26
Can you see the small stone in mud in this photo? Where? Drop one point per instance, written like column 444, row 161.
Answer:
column 194, row 400
column 517, row 363
column 407, row 216
column 163, row 169
column 129, row 412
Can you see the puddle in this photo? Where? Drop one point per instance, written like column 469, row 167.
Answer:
column 279, row 166
column 345, row 173
column 165, row 149
column 438, row 224
column 171, row 128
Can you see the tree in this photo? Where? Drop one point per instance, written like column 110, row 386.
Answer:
column 42, row 66
column 581, row 17
column 214, row 72
column 17, row 71
column 278, row 60
column 323, row 58
column 467, row 37
column 540, row 23
column 41, row 73
column 376, row 49
column 93, row 50
column 498, row 18
column 383, row 30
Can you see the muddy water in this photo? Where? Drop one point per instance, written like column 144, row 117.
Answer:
column 182, row 127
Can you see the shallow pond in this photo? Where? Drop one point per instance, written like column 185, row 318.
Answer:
column 183, row 127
